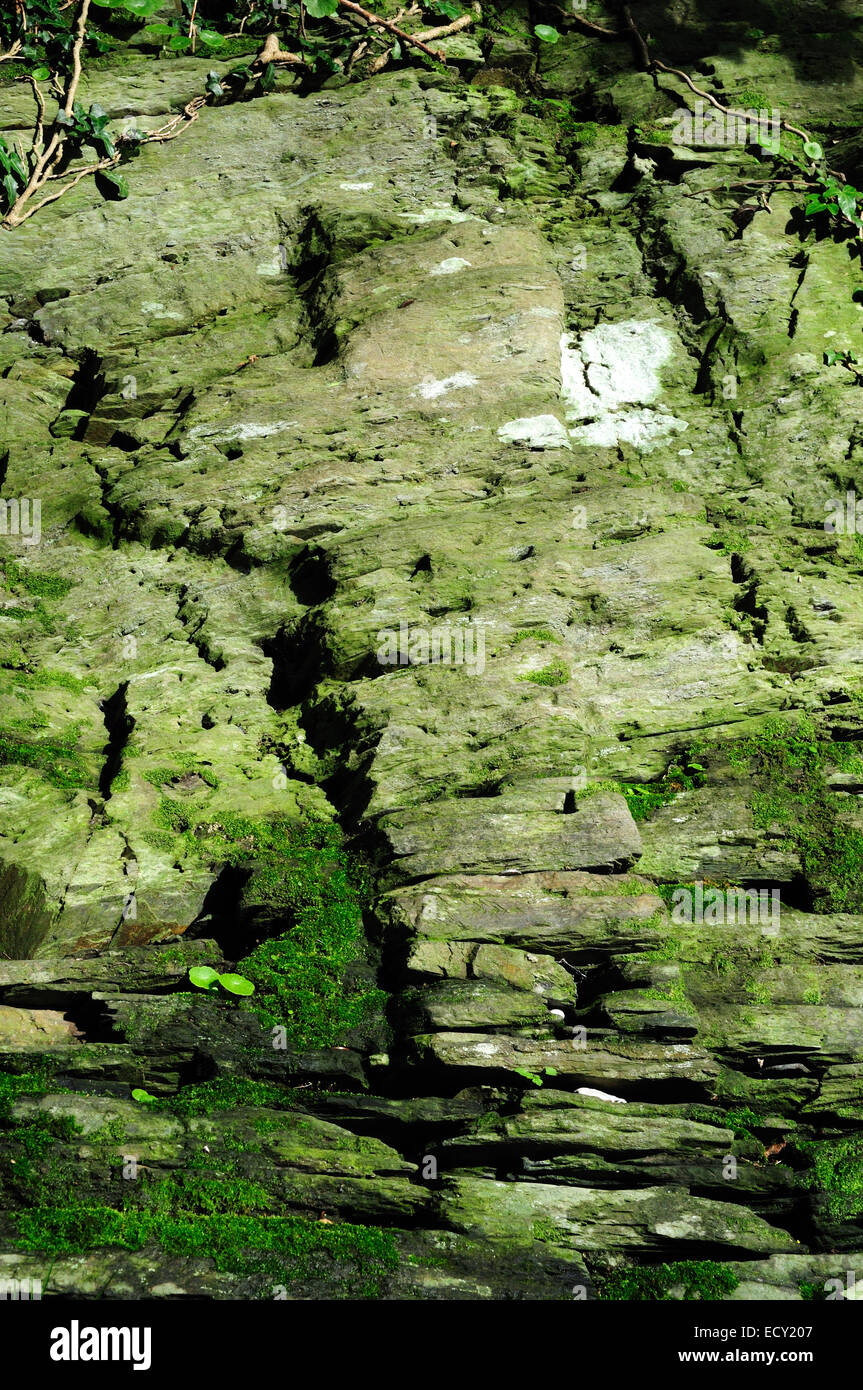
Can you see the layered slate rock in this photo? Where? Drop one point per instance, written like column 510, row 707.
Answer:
column 328, row 394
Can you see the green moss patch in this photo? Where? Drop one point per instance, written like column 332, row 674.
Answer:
column 281, row 1249
column 556, row 673
column 56, row 758
column 697, row 1279
column 788, row 762
column 307, row 978
column 837, row 1174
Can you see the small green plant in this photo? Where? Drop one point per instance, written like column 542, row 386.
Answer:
column 205, row 977
column 528, row 1075
column 143, row 1097
column 546, row 33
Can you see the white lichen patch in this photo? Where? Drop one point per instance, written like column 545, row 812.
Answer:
column 641, row 428
column 430, row 389
column 239, row 433
column 610, row 381
column 536, row 432
column 440, row 212
column 450, row 266
column 158, row 311
column 357, row 187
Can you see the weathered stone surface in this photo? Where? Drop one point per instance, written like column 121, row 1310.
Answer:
column 416, row 364
column 586, row 1219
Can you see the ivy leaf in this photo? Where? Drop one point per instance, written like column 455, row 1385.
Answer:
column 64, row 119
column 397, row 49
column 10, row 188
column 319, row 9
column 236, row 984
column 814, row 204
column 142, row 8
column 111, row 185
column 848, row 201
column 813, row 150
column 546, row 33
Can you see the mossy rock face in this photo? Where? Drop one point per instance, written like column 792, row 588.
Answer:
column 432, row 592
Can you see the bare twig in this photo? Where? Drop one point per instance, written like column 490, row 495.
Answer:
column 444, row 29
column 271, row 53
column 588, row 24
column 635, row 34
column 45, row 162
column 38, row 143
column 11, row 53
column 374, row 19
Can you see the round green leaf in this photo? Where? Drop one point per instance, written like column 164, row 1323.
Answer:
column 319, row 9
column 204, row 976
column 210, row 38
column 142, row 8
column 179, row 43
column 546, row 33
column 235, row 984
column 813, row 150
column 143, row 1097
column 40, row 74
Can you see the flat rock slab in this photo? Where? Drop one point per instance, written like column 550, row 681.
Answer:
column 545, row 912
column 484, row 834
column 651, row 1218
column 605, row 1065
column 31, row 1030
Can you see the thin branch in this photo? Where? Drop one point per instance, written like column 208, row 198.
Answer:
column 271, row 53
column 444, row 29
column 16, row 48
column 37, row 145
column 392, row 28
column 635, row 35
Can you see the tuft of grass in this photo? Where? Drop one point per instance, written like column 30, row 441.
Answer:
column 556, row 673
